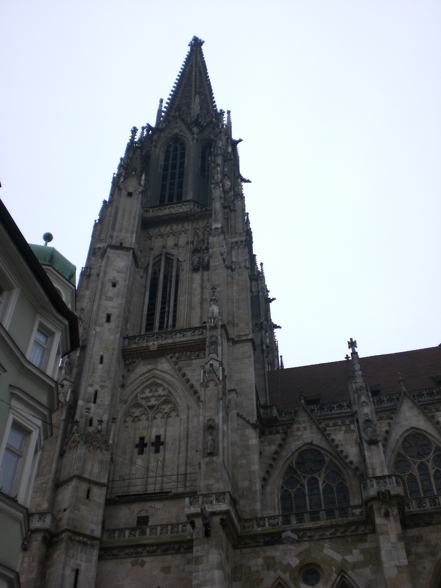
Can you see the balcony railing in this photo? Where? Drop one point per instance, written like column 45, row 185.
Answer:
column 147, row 531
column 301, row 518
column 422, row 503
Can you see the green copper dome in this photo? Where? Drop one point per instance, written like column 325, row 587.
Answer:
column 50, row 256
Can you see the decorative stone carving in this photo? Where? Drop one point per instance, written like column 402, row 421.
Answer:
column 165, row 336
column 153, row 401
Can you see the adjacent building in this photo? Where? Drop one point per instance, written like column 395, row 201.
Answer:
column 36, row 330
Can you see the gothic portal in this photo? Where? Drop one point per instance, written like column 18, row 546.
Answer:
column 186, row 455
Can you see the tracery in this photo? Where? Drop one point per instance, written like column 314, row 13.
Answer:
column 419, row 464
column 313, row 482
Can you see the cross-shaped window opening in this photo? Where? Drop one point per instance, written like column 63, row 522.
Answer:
column 141, row 445
column 157, row 444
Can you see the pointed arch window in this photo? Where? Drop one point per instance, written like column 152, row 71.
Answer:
column 172, row 177
column 162, row 300
column 419, row 464
column 313, row 482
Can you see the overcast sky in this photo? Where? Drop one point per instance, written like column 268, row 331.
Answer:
column 338, row 104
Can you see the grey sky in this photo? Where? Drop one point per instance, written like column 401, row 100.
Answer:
column 339, row 106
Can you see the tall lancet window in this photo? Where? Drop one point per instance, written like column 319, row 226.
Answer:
column 172, row 179
column 163, row 295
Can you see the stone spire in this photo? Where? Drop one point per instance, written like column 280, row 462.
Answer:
column 367, row 420
column 192, row 95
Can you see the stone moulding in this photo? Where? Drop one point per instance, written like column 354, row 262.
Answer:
column 165, row 342
column 306, row 534
column 412, row 520
column 178, row 537
column 418, row 504
column 423, row 396
column 145, row 550
column 40, row 521
column 172, row 211
column 303, row 519
column 147, row 531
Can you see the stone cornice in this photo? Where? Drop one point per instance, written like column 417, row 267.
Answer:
column 165, row 342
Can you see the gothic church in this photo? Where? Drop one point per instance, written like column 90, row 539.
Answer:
column 183, row 454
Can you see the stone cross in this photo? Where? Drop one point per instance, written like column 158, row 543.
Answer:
column 352, row 345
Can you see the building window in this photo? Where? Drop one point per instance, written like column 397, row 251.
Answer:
column 162, row 297
column 12, row 460
column 43, row 349
column 39, row 348
column 419, row 464
column 142, row 520
column 29, row 423
column 8, row 296
column 313, row 482
column 172, row 178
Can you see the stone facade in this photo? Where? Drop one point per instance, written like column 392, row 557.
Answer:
column 188, row 456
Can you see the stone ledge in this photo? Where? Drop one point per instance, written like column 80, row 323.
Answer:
column 165, row 342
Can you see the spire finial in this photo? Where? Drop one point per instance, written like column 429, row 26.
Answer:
column 352, row 345
column 47, row 238
column 196, row 42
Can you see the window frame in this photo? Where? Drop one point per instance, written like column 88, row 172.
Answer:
column 170, row 179
column 9, row 296
column 34, row 419
column 415, row 463
column 50, row 355
column 310, row 478
column 160, row 290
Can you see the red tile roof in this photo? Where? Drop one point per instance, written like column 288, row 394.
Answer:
column 329, row 381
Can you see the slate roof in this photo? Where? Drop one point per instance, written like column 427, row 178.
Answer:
column 329, row 381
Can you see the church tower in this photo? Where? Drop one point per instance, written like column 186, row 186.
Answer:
column 176, row 341
column 182, row 456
